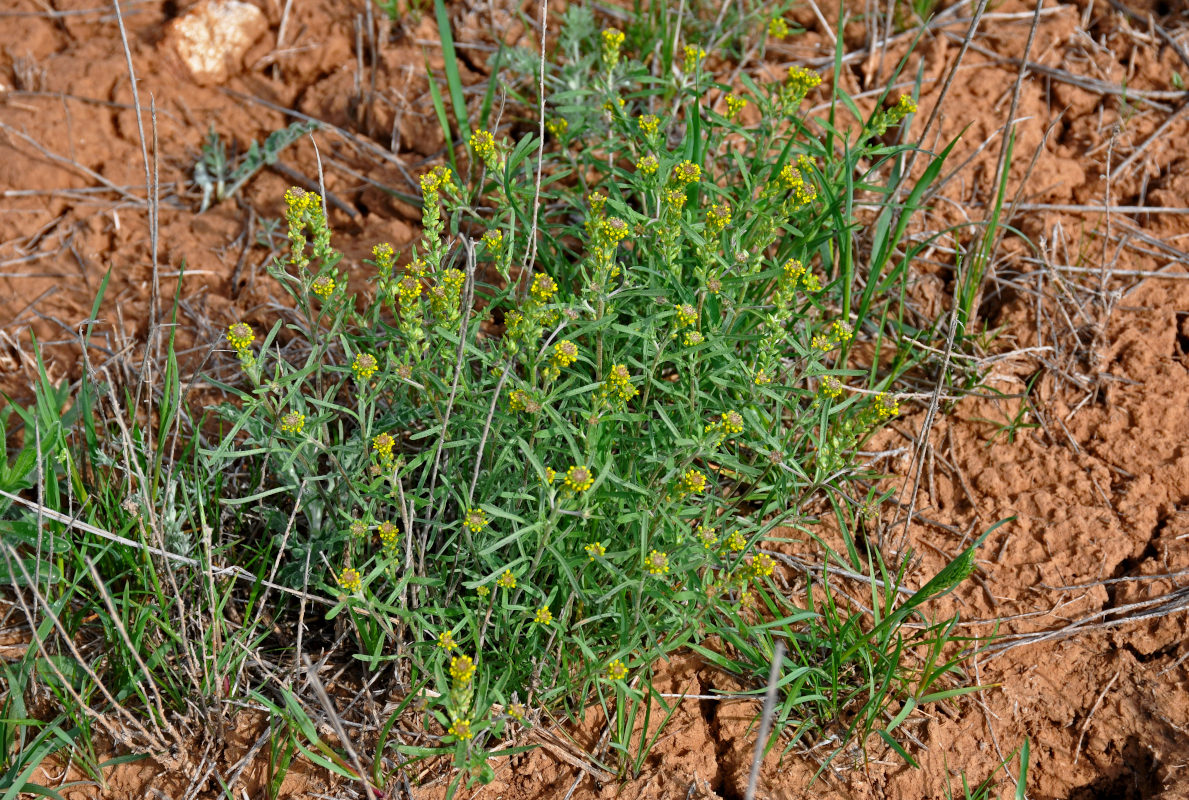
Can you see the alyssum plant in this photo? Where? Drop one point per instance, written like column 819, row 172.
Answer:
column 546, row 446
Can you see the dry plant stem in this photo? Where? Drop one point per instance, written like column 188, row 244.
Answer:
column 765, row 721
column 315, row 682
column 1077, row 751
column 531, row 253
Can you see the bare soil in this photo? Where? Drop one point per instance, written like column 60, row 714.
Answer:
column 1088, row 585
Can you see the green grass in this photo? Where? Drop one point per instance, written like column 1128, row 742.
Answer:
column 565, row 435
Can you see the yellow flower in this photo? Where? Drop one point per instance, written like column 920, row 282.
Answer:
column 707, row 536
column 351, row 580
column 322, row 286
column 649, row 123
column 550, row 474
column 762, row 378
column 842, row 331
column 596, row 550
column 693, row 338
column 476, row 519
column 579, row 478
column 778, row 28
column 616, row 670
column 718, row 218
column 822, row 342
column 731, row 422
column 506, row 580
column 364, row 366
column 460, row 729
column 565, row 353
column 761, row 566
column 543, row 288
column 687, row 172
column 612, row 40
column 389, row 534
column 493, row 239
column 618, row 384
column 735, row 105
column 597, row 201
column 831, row 386
column 557, row 127
column 811, row 282
column 446, row 641
column 904, row 106
column 293, row 422
column 886, row 406
column 517, row 711
column 241, row 336
column 520, row 400
column 383, row 254
column 687, row 315
column 693, row 54
column 543, row 616
column 692, row 482
column 802, row 80
column 675, row 199
column 736, row 542
column 408, row 288
column 358, row 528
column 615, row 229
column 657, row 563
column 483, row 145
column 794, row 270
column 647, row 165
column 383, row 444
column 462, row 669
column 483, row 591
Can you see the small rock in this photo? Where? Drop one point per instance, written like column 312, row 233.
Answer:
column 212, row 37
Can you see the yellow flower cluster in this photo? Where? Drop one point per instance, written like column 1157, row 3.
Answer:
column 657, row 563
column 616, row 670
column 383, row 256
column 436, row 180
column 241, row 336
column 731, row 422
column 475, row 519
column 358, row 528
column 323, row 286
column 736, row 542
column 543, row 288
column 389, row 534
column 443, row 296
column 886, row 406
column 687, row 172
column 298, row 200
column 618, row 384
column 707, row 537
column 493, row 239
column 778, row 28
column 612, row 41
column 293, row 422
column 831, row 387
column 483, row 146
column 647, row 165
column 565, row 353
column 718, row 218
column 557, row 127
column 446, row 641
column 506, row 580
column 687, row 315
column 462, row 669
column 595, row 550
column 802, row 81
column 649, row 123
column 693, row 54
column 383, row 443
column 543, row 616
column 461, row 729
column 692, row 482
column 408, row 288
column 693, row 338
column 761, row 566
column 904, row 106
column 842, row 331
column 762, row 378
column 675, row 200
column 520, row 400
column 351, row 580
column 579, row 478
column 364, row 366
column 822, row 342
column 615, row 229
column 735, row 105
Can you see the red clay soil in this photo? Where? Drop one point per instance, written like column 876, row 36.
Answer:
column 1097, row 478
